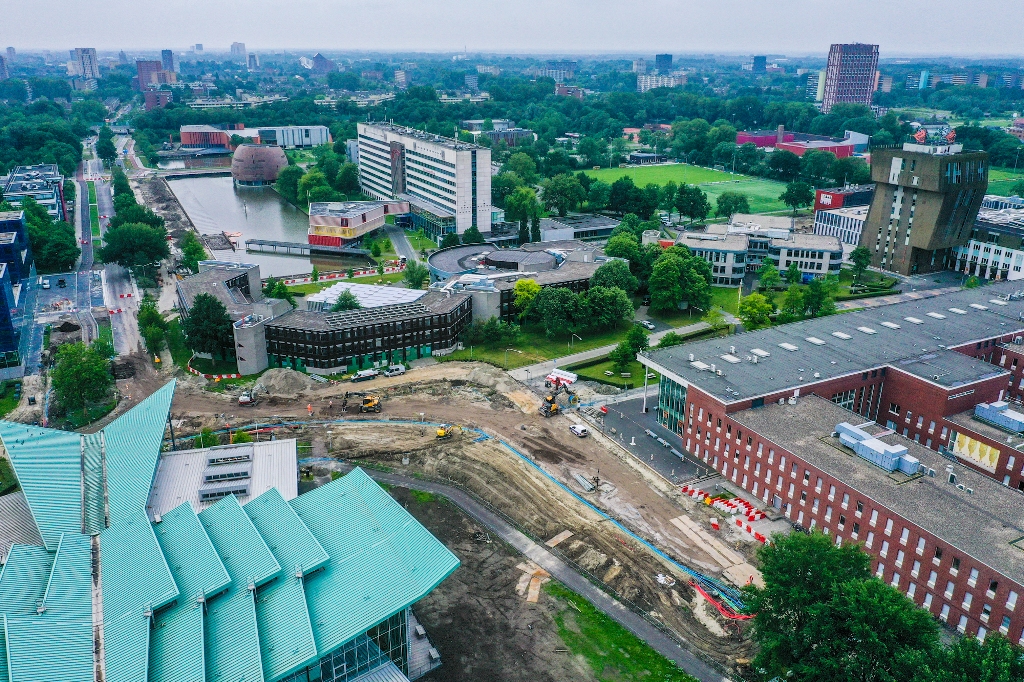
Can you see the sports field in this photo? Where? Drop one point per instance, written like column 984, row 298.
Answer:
column 763, row 195
column 1002, row 180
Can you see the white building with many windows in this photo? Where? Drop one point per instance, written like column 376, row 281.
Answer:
column 446, row 182
column 844, row 223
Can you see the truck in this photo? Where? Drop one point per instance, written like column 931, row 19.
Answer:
column 365, row 375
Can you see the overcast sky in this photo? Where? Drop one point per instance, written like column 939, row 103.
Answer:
column 900, row 27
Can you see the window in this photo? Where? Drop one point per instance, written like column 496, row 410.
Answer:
column 888, row 527
column 869, row 540
column 986, row 613
column 944, row 614
column 973, row 579
column 955, row 568
column 807, row 476
column 1005, row 626
column 920, row 545
column 874, row 517
column 927, row 600
column 817, row 486
column 856, row 529
column 860, row 507
column 885, row 548
column 803, row 496
column 894, row 409
column 899, row 559
column 846, row 500
column 895, row 582
column 932, row 577
column 911, row 589
column 968, row 599
column 904, row 536
column 880, row 570
column 1011, row 601
column 992, row 587
column 917, row 569
column 831, row 493
column 842, row 521
column 814, row 507
column 962, row 625
column 949, row 589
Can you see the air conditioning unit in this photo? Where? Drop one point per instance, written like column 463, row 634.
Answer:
column 1018, row 340
column 792, row 401
column 691, row 357
column 782, row 401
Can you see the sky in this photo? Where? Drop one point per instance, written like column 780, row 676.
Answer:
column 640, row 27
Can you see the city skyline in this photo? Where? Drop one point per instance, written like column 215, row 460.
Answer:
column 730, row 27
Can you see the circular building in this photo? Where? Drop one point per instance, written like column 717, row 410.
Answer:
column 470, row 258
column 255, row 165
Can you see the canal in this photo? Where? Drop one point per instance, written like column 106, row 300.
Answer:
column 216, row 205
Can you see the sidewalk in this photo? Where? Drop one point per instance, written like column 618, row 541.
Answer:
column 894, row 298
column 542, row 368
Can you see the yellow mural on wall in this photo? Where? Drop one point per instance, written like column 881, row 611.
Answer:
column 985, row 456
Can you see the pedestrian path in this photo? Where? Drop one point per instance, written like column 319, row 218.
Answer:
column 894, row 298
column 543, row 368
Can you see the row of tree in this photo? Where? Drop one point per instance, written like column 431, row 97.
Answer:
column 54, row 243
column 331, row 178
column 135, row 237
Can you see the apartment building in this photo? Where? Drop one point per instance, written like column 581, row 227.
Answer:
column 846, row 224
column 43, row 182
column 996, row 247
column 446, row 182
column 850, row 75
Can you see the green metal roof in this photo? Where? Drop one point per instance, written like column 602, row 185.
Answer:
column 382, row 559
column 135, row 580
column 48, row 465
column 133, row 443
column 232, row 634
column 176, row 642
column 23, row 579
column 95, row 516
column 286, row 635
column 65, row 607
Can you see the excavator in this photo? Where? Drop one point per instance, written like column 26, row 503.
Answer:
column 371, row 403
column 446, row 431
column 551, row 407
column 252, row 397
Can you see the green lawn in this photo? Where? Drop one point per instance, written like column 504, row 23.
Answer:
column 8, row 481
column 677, row 172
column 7, row 400
column 612, row 652
column 314, row 287
column 92, row 192
column 1002, row 180
column 420, row 241
column 77, row 419
column 535, row 347
column 726, row 298
column 597, row 373
column 215, row 366
column 763, row 195
column 106, row 333
column 94, row 220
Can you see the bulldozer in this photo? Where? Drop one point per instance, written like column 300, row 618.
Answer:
column 446, row 431
column 252, row 396
column 551, row 406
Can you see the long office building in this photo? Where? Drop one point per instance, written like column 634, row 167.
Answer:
column 925, row 202
column 446, row 182
column 42, row 182
column 996, row 247
column 125, row 564
column 850, row 75
column 886, row 426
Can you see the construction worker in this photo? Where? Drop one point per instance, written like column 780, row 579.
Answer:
column 309, row 408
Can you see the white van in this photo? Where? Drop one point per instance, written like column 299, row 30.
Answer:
column 579, row 430
column 46, row 283
column 394, row 371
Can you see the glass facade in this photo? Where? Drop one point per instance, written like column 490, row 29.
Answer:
column 671, row 405
column 383, row 643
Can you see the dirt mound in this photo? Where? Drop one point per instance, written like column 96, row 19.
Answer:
column 286, row 382
column 492, row 377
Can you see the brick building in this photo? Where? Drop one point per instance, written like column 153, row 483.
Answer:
column 947, row 533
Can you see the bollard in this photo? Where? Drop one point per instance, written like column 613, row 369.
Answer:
column 632, row 441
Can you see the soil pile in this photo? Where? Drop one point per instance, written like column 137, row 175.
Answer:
column 286, row 382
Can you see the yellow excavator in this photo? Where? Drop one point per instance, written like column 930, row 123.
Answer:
column 446, row 431
column 551, row 407
column 371, row 403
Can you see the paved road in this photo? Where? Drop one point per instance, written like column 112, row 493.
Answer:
column 895, row 298
column 658, row 640
column 401, row 242
column 542, row 368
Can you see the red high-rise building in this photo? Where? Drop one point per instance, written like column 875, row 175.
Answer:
column 147, row 69
column 850, row 76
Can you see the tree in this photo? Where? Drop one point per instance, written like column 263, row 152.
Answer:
column 449, row 240
column 792, row 307
column 671, row 339
column 275, row 288
column 755, row 311
column 1018, row 188
column 525, row 292
column 817, row 300
column 794, row 275
column 626, row 352
column 797, row 194
column 206, row 438
column 784, row 165
column 134, row 245
column 692, row 202
column 288, row 183
column 192, row 251
column 535, row 235
column 105, row 349
column 502, row 185
column 563, row 193
column 415, row 274
column 817, row 165
column 695, row 280
column 208, row 326
column 240, row 436
column 605, row 307
column 472, row 235
column 105, row 147
column 522, row 165
column 615, row 273
column 314, row 276
column 558, row 310
column 769, row 278
column 972, row 282
column 346, row 301
column 521, row 204
column 347, row 179
column 375, row 250
column 524, row 231
column 624, row 246
column 729, row 203
column 665, row 284
column 968, row 660
column 598, row 195
column 861, row 259
column 80, row 376
column 667, row 201
column 312, row 179
column 152, row 325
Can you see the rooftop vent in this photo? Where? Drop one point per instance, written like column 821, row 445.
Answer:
column 937, row 316
column 890, row 325
column 866, row 330
column 1000, row 414
column 760, row 353
column 914, row 320
column 815, row 340
column 788, row 346
column 996, row 301
column 700, row 366
column 884, row 455
column 978, row 306
column 732, row 359
column 958, row 311
column 841, row 335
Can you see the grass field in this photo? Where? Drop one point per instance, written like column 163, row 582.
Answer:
column 763, row 195
column 92, row 192
column 597, row 373
column 1002, row 180
column 726, row 298
column 534, row 347
column 611, row 651
column 314, row 287
column 420, row 241
column 94, row 220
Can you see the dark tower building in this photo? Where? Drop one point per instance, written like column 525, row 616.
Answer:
column 926, row 199
column 760, row 64
column 167, row 59
column 663, row 63
column 850, row 75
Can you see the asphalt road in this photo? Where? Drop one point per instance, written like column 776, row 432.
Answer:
column 655, row 638
column 401, row 242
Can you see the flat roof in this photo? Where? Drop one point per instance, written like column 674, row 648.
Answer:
column 968, row 420
column 342, row 209
column 181, row 475
column 585, row 221
column 848, row 211
column 918, row 345
column 982, row 524
column 802, row 240
column 423, row 136
column 431, row 303
column 369, row 295
column 11, row 215
column 568, row 271
column 718, row 242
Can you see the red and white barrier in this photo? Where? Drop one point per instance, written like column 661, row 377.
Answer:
column 332, row 276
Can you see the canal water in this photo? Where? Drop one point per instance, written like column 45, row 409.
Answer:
column 216, row 205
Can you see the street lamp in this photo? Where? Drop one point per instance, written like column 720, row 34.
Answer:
column 571, row 337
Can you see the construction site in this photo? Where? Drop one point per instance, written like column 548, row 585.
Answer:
column 666, row 555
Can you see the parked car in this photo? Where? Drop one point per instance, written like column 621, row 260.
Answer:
column 61, row 283
column 46, row 283
column 365, row 375
column 394, row 371
column 579, row 430
column 647, row 324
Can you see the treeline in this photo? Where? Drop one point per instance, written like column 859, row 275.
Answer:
column 54, row 244
column 331, row 178
column 135, row 237
column 43, row 132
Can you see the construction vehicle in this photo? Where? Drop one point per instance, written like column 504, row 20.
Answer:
column 551, row 406
column 252, row 396
column 371, row 403
column 446, row 431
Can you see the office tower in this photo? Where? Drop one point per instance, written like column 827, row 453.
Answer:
column 167, row 60
column 82, row 62
column 11, row 54
column 815, row 85
column 254, row 62
column 5, row 73
column 199, row 47
column 148, row 70
column 926, row 199
column 663, row 63
column 760, row 64
column 122, row 58
column 472, row 81
column 850, row 75
column 446, row 182
column 401, row 79
column 639, row 66
column 238, row 50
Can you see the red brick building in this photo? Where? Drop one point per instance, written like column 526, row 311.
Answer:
column 761, row 408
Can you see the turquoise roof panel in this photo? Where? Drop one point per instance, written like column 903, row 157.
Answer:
column 382, row 559
column 133, row 443
column 95, row 506
column 135, row 580
column 4, row 677
column 232, row 634
column 48, row 465
column 286, row 634
column 176, row 647
column 34, row 650
column 23, row 579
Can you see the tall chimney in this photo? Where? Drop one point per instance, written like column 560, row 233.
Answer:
column 780, row 136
